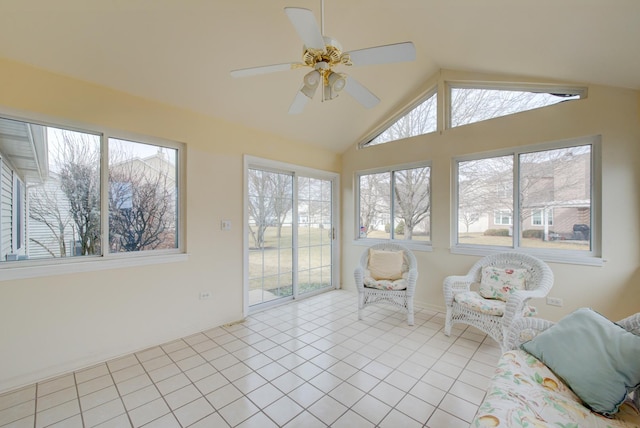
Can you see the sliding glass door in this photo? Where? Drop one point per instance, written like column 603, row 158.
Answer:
column 290, row 233
column 270, row 235
column 315, row 234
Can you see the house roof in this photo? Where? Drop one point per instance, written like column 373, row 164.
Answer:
column 24, row 147
column 181, row 52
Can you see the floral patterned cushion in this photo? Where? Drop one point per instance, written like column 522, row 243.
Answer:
column 477, row 303
column 525, row 393
column 498, row 283
column 385, row 284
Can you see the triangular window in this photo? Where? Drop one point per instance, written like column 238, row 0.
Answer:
column 474, row 104
column 421, row 119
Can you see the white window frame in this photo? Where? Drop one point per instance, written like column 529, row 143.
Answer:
column 10, row 270
column 592, row 257
column 17, row 207
column 412, row 244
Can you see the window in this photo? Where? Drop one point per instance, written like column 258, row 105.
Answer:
column 538, row 215
column 142, row 196
column 53, row 207
column 421, row 119
column 551, row 211
column 503, row 218
column 474, row 104
column 395, row 204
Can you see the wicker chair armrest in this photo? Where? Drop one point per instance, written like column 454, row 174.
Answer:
column 358, row 275
column 412, row 279
column 631, row 323
column 455, row 284
column 524, row 329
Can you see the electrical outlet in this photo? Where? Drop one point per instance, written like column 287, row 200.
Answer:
column 225, row 225
column 205, row 295
column 554, row 301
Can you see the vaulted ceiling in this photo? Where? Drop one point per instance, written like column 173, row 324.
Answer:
column 180, row 52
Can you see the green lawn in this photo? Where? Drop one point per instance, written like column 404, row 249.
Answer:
column 270, row 267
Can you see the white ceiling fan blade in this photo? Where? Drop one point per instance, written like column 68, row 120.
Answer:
column 306, row 26
column 360, row 93
column 298, row 103
column 398, row 52
column 253, row 71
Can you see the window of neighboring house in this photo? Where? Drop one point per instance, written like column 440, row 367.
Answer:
column 538, row 215
column 554, row 181
column 502, row 218
column 474, row 104
column 395, row 204
column 420, row 119
column 57, row 202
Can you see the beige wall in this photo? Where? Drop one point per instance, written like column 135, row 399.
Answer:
column 59, row 323
column 613, row 289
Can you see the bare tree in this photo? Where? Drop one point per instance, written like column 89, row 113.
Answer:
column 45, row 208
column 412, row 192
column 270, row 200
column 420, row 120
column 470, row 105
column 471, row 205
column 374, row 199
column 78, row 161
column 141, row 203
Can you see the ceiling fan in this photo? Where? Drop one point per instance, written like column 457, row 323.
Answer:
column 323, row 54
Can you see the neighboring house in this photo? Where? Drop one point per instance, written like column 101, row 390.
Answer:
column 51, row 228
column 23, row 161
column 555, row 199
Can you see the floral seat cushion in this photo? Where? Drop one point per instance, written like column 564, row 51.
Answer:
column 385, row 284
column 525, row 393
column 496, row 307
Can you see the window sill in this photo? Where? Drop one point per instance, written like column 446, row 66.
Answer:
column 412, row 245
column 585, row 260
column 35, row 269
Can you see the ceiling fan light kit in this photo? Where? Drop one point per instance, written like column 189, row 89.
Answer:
column 322, row 54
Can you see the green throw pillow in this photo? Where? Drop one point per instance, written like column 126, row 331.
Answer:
column 597, row 359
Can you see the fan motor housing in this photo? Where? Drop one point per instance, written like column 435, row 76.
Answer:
column 332, row 54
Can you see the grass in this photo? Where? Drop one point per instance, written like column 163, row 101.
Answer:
column 270, row 267
column 507, row 241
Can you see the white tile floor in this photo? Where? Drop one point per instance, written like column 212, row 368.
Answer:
column 306, row 364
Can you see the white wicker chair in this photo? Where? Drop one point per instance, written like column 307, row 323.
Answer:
column 399, row 298
column 538, row 283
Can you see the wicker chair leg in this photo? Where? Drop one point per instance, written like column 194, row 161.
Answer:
column 410, row 319
column 360, row 305
column 447, row 323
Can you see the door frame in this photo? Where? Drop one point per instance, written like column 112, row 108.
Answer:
column 295, row 170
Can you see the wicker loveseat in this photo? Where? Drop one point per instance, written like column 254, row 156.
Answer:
column 524, row 392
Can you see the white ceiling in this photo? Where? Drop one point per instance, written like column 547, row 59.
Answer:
column 180, row 52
